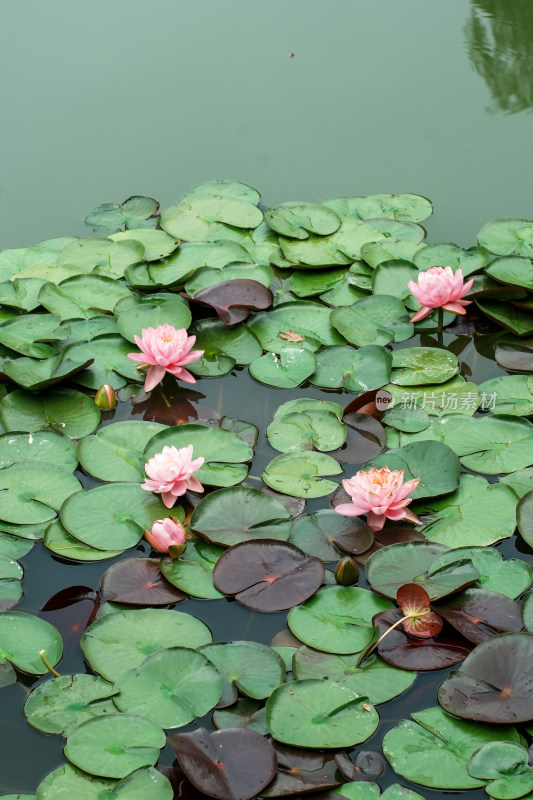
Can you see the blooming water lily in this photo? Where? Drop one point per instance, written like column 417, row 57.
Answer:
column 170, row 473
column 439, row 287
column 165, row 349
column 380, row 493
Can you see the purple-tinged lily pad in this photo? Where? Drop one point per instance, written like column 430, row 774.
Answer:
column 233, row 300
column 139, row 582
column 479, row 614
column 303, row 771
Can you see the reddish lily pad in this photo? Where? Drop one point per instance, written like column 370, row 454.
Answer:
column 139, row 582
column 230, row 764
column 327, row 535
column 494, row 683
column 368, row 765
column 406, row 652
column 365, row 439
column 414, row 604
column 233, row 300
column 303, row 771
column 479, row 614
column 267, row 575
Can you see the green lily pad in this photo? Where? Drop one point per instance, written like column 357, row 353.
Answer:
column 506, row 765
column 13, row 260
column 313, row 252
column 310, row 320
column 249, row 667
column 379, row 319
column 451, row 255
column 192, row 572
column 414, row 366
column 171, row 687
column 10, row 577
column 477, row 514
column 375, row 253
column 122, row 640
column 214, row 337
column 35, row 374
column 101, row 256
column 48, row 446
column 517, row 320
column 328, row 535
column 510, row 577
column 371, row 677
column 224, row 451
column 391, row 278
column 456, row 396
column 434, row 750
column 523, row 517
column 31, row 334
column 14, row 546
column 306, row 283
column 434, row 463
column 244, row 714
column 82, row 297
column 64, row 410
column 157, row 244
column 297, row 220
column 111, row 364
column 61, row 704
column 362, row 369
column 302, row 475
column 314, row 713
column 115, row 453
column 193, row 217
column 206, row 277
column 511, row 394
column 507, row 236
column 337, row 619
column 493, row 444
column 407, row 420
column 419, row 562
column 225, row 188
column 286, row 370
column 135, row 313
column 66, row 782
column 23, row 637
column 191, row 256
column 58, row 541
column 511, row 270
column 30, row 494
column 308, row 430
column 84, row 330
column 520, row 481
column 240, row 514
column 403, row 207
column 115, row 745
column 135, row 212
column 22, row 293
column 112, row 516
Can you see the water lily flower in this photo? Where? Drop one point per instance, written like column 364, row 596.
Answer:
column 170, row 473
column 106, row 397
column 165, row 349
column 438, row 287
column 381, row 494
column 167, row 536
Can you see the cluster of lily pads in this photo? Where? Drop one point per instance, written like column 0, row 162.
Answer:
column 302, row 292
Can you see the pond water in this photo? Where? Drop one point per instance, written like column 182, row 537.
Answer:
column 303, row 101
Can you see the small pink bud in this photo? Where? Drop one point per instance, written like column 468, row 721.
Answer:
column 105, row 397
column 167, row 536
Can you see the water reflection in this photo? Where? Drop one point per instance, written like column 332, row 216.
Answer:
column 499, row 37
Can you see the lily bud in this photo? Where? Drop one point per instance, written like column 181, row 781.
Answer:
column 167, row 536
column 105, row 397
column 346, row 572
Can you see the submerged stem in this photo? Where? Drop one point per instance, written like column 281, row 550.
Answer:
column 47, row 664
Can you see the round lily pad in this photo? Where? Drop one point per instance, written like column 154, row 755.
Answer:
column 157, row 244
column 148, row 311
column 135, row 212
column 507, row 236
column 403, row 207
column 64, row 410
column 111, row 516
column 379, row 319
column 63, row 544
column 412, row 366
column 138, row 582
column 122, row 640
column 307, row 319
column 31, row 334
column 83, row 296
column 114, row 745
column 321, row 430
column 510, row 577
column 328, row 535
column 30, row 494
column 10, row 577
column 302, row 474
column 49, row 446
column 298, row 220
column 512, row 394
column 286, row 370
column 67, row 781
column 171, row 687
column 192, row 572
column 249, row 667
column 194, row 216
column 337, row 619
column 240, row 514
column 368, row 367
column 315, row 713
column 451, row 255
column 14, row 546
column 244, row 714
column 434, row 463
column 23, row 637
column 61, row 704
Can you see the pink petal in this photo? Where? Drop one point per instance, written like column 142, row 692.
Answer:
column 375, row 521
column 168, row 499
column 424, row 312
column 194, row 485
column 349, row 510
column 457, row 307
column 154, row 376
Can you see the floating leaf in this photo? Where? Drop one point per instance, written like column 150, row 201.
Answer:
column 368, row 367
column 193, row 218
column 313, row 429
column 507, row 236
column 115, row 453
column 298, row 220
column 31, row 334
column 138, row 582
column 403, row 207
column 82, row 297
column 434, row 463
column 42, row 446
column 135, row 212
column 315, row 713
column 310, row 320
column 301, row 475
column 192, row 572
column 30, row 494
column 510, row 577
column 64, row 410
column 135, row 313
column 379, row 319
column 286, row 370
column 511, row 394
column 23, row 637
column 122, row 640
column 413, row 366
column 244, row 714
column 61, row 704
column 62, row 544
column 451, row 255
column 67, row 781
column 328, row 535
column 249, row 667
column 479, row 614
column 266, row 575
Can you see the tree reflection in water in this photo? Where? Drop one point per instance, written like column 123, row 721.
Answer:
column 499, row 37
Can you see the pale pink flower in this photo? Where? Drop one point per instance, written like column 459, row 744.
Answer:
column 165, row 349
column 380, row 493
column 170, row 473
column 438, row 287
column 167, row 536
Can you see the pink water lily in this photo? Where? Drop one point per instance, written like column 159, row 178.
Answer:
column 438, row 287
column 165, row 349
column 170, row 473
column 380, row 493
column 167, row 536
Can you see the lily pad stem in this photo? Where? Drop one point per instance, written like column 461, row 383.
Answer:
column 47, row 664
column 399, row 622
column 440, row 319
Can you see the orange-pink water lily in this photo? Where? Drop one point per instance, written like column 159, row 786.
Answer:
column 167, row 536
column 165, row 349
column 439, row 287
column 170, row 473
column 381, row 494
